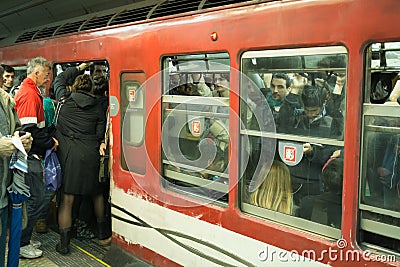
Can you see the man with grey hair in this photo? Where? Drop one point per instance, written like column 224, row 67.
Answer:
column 29, row 106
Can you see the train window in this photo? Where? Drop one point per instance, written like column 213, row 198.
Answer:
column 195, row 130
column 292, row 111
column 379, row 185
column 132, row 113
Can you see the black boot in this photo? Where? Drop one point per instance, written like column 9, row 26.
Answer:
column 104, row 231
column 63, row 246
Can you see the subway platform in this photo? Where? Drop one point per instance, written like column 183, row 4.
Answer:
column 83, row 253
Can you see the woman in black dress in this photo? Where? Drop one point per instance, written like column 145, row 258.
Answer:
column 80, row 129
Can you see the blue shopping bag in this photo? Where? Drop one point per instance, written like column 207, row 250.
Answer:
column 52, row 170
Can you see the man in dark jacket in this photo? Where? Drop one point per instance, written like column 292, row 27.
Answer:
column 311, row 120
column 29, row 106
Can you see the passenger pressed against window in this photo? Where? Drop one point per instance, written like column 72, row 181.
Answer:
column 195, row 130
column 295, row 106
column 379, row 185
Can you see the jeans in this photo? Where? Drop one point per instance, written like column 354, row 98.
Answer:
column 36, row 203
column 48, row 196
column 3, row 218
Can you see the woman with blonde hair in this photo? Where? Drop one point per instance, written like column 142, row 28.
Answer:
column 275, row 192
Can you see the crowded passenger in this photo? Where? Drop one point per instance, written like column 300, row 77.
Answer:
column 29, row 106
column 211, row 131
column 221, row 85
column 49, row 108
column 101, row 91
column 394, row 96
column 80, row 128
column 18, row 81
column 99, row 68
column 275, row 191
column 280, row 88
column 257, row 116
column 8, row 78
column 387, row 166
column 84, row 218
column 200, row 87
column 326, row 208
column 336, row 104
column 310, row 121
column 9, row 125
column 209, row 80
column 49, row 105
column 174, row 82
column 383, row 176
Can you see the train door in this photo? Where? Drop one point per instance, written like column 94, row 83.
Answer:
column 133, row 154
column 195, row 130
column 379, row 202
column 83, row 206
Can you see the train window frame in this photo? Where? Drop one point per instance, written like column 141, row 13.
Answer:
column 379, row 224
column 182, row 177
column 20, row 71
column 133, row 103
column 265, row 134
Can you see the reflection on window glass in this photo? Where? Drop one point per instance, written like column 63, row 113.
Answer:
column 304, row 93
column 382, row 151
column 379, row 184
column 384, row 72
column 293, row 106
column 195, row 139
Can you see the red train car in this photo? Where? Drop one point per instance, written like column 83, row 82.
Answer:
column 205, row 82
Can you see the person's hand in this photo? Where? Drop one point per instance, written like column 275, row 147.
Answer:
column 336, row 154
column 395, row 94
column 54, row 148
column 307, row 148
column 383, row 171
column 340, row 81
column 298, row 83
column 84, row 65
column 102, row 149
column 196, row 77
column 26, row 140
column 6, row 147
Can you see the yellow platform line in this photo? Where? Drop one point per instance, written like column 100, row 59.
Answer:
column 90, row 254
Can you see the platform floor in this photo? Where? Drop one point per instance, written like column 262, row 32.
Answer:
column 83, row 253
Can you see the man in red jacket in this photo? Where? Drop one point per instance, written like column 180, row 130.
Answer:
column 29, row 106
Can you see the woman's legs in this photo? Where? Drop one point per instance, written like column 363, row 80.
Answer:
column 98, row 202
column 102, row 224
column 65, row 222
column 65, row 211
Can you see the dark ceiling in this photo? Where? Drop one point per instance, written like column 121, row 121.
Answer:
column 17, row 16
column 22, row 20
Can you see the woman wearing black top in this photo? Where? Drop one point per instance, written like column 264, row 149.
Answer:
column 80, row 129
